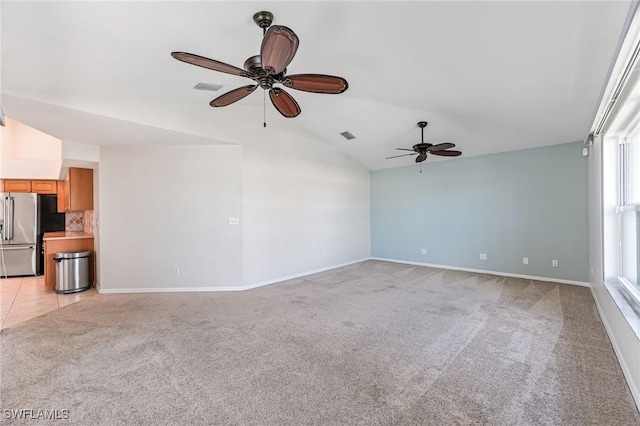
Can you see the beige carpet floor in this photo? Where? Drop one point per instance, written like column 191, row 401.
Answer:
column 374, row 343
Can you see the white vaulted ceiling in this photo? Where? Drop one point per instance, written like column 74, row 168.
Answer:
column 487, row 76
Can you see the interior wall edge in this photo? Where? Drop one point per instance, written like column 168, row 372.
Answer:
column 486, row 271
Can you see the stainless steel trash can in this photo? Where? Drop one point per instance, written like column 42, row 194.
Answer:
column 72, row 271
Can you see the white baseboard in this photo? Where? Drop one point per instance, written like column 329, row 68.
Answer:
column 226, row 288
column 481, row 271
column 168, row 289
column 303, row 274
column 633, row 386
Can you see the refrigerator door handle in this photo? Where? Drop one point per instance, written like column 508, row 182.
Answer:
column 9, row 217
column 9, row 248
column 5, row 230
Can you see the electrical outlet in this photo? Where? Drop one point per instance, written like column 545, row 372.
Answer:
column 554, row 263
column 525, row 260
column 483, row 256
column 176, row 271
column 423, row 251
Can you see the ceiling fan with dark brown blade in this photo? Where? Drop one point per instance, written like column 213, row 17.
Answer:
column 279, row 46
column 422, row 149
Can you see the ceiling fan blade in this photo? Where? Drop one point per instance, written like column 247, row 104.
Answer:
column 233, row 96
column 279, row 46
column 211, row 64
column 317, row 83
column 420, row 158
column 440, row 147
column 284, row 103
column 405, row 149
column 403, row 155
column 446, row 153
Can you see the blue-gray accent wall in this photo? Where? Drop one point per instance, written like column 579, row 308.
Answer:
column 528, row 203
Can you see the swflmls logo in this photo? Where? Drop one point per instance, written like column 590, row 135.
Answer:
column 33, row 414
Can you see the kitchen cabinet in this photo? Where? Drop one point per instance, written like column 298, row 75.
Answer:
column 56, row 242
column 75, row 193
column 38, row 186
column 44, row 186
column 15, row 185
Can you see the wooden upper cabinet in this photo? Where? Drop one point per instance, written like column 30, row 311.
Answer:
column 75, row 193
column 44, row 186
column 63, row 195
column 38, row 186
column 14, row 185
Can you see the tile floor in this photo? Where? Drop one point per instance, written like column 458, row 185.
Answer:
column 24, row 298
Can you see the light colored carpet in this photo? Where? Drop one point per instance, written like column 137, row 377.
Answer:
column 372, row 343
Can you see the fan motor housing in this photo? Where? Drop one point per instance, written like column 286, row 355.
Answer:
column 253, row 64
column 421, row 147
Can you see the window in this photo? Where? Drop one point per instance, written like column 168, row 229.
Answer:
column 628, row 208
column 621, row 196
column 614, row 185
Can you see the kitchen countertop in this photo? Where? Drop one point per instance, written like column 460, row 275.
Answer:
column 64, row 235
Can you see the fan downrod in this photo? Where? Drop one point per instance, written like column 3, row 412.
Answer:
column 422, row 125
column 263, row 19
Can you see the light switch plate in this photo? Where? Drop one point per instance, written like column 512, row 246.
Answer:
column 234, row 221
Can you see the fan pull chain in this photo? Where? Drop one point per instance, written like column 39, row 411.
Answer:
column 264, row 106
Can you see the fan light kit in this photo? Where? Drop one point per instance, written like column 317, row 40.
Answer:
column 279, row 46
column 422, row 149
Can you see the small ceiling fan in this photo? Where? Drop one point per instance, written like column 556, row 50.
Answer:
column 422, row 149
column 279, row 46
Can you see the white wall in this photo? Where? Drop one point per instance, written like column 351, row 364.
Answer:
column 306, row 207
column 302, row 206
column 166, row 206
column 72, row 151
column 625, row 342
column 27, row 153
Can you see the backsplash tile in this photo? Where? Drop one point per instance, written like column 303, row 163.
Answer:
column 73, row 222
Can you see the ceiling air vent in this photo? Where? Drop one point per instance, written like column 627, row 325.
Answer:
column 208, row 86
column 347, row 135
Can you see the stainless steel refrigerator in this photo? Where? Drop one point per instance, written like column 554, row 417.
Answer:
column 19, row 229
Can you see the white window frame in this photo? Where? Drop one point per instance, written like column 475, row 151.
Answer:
column 622, row 205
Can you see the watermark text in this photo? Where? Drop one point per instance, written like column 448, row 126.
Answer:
column 35, row 414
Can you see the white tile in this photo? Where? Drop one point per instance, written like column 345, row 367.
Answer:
column 24, row 299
